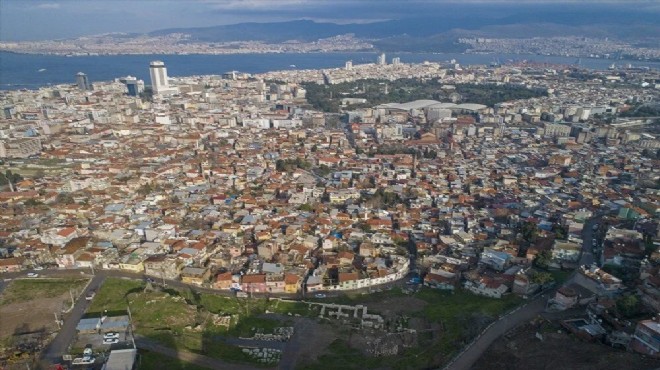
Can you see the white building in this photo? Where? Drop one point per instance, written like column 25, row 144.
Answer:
column 159, row 80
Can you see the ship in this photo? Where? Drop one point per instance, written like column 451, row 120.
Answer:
column 42, row 70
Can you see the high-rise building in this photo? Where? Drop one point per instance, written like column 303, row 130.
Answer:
column 396, row 61
column 381, row 60
column 82, row 81
column 349, row 65
column 158, row 73
column 133, row 86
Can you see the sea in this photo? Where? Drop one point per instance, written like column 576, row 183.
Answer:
column 30, row 71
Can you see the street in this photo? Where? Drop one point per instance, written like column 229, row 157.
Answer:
column 58, row 346
column 467, row 358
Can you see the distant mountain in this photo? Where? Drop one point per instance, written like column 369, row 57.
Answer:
column 442, row 30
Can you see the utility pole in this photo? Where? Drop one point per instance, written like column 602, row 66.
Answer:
column 72, row 300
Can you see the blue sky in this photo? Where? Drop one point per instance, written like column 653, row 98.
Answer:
column 52, row 19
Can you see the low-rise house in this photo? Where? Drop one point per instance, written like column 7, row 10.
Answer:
column 66, row 257
column 348, row 280
column 11, row 264
column 487, row 287
column 255, row 283
column 223, row 281
column 162, row 266
column 495, row 259
column 439, row 282
column 566, row 251
column 646, row 339
column 195, row 275
column 598, row 281
column 292, row 283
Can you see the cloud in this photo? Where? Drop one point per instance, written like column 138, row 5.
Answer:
column 48, row 6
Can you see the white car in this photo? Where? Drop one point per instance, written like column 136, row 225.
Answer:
column 111, row 335
column 319, row 295
column 110, row 341
column 38, row 268
column 32, row 274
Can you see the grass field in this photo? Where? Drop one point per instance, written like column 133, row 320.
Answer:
column 181, row 318
column 111, row 295
column 154, row 361
column 23, row 290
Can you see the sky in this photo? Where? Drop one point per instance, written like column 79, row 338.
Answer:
column 55, row 19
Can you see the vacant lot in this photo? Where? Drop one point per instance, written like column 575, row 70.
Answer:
column 521, row 350
column 444, row 323
column 28, row 305
column 187, row 320
column 183, row 319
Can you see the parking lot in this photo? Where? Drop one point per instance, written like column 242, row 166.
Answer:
column 96, row 340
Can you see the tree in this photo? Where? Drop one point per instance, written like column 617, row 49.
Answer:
column 529, row 231
column 541, row 278
column 306, row 207
column 628, row 306
column 543, row 259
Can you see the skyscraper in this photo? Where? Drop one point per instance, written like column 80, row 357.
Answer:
column 133, row 86
column 381, row 60
column 158, row 73
column 82, row 81
column 349, row 65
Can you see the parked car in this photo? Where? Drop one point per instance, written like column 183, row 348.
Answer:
column 319, row 295
column 111, row 335
column 32, row 274
column 110, row 340
column 90, row 295
column 38, row 268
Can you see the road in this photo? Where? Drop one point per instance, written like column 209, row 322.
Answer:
column 58, row 346
column 587, row 256
column 466, row 359
column 470, row 355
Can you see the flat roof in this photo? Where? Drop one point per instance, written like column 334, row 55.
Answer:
column 121, row 359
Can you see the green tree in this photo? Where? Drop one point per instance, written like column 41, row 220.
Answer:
column 541, row 277
column 543, row 259
column 529, row 231
column 628, row 306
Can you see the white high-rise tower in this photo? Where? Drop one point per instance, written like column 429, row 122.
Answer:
column 158, row 74
column 381, row 60
column 349, row 65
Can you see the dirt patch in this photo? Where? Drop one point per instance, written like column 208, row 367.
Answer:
column 393, row 306
column 31, row 316
column 520, row 349
column 309, row 341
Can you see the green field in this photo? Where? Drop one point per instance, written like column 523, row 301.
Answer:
column 183, row 318
column 23, row 290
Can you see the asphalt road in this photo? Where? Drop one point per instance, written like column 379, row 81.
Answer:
column 587, row 257
column 466, row 359
column 58, row 346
